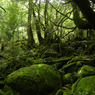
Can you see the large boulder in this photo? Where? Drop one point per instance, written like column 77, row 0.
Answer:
column 85, row 86
column 39, row 79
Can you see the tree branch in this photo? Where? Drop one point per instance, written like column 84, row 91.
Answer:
column 60, row 12
column 2, row 8
column 69, row 32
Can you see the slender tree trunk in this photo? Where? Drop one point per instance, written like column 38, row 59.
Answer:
column 31, row 41
column 37, row 23
column 46, row 20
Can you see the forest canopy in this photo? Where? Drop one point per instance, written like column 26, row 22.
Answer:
column 43, row 21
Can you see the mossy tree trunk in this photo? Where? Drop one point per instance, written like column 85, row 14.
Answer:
column 46, row 37
column 31, row 40
column 87, row 11
column 37, row 23
column 78, row 20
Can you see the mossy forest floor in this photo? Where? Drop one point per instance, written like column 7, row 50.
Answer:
column 67, row 58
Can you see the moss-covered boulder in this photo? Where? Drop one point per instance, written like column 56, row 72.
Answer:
column 86, row 70
column 39, row 79
column 86, row 86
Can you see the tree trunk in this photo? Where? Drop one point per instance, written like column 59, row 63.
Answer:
column 46, row 21
column 87, row 11
column 31, row 41
column 79, row 22
column 37, row 23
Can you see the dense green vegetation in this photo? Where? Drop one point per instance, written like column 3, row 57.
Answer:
column 47, row 47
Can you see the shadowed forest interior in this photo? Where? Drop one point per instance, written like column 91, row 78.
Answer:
column 47, row 47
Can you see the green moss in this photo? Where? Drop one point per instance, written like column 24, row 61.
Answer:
column 64, row 92
column 86, row 86
column 67, row 78
column 86, row 70
column 36, row 79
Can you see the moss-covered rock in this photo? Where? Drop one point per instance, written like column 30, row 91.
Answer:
column 86, row 70
column 64, row 92
column 86, row 86
column 67, row 78
column 38, row 79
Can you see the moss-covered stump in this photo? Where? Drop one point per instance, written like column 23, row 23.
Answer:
column 86, row 70
column 39, row 79
column 86, row 86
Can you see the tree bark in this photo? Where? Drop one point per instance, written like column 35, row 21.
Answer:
column 37, row 27
column 79, row 22
column 29, row 28
column 46, row 20
column 87, row 11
